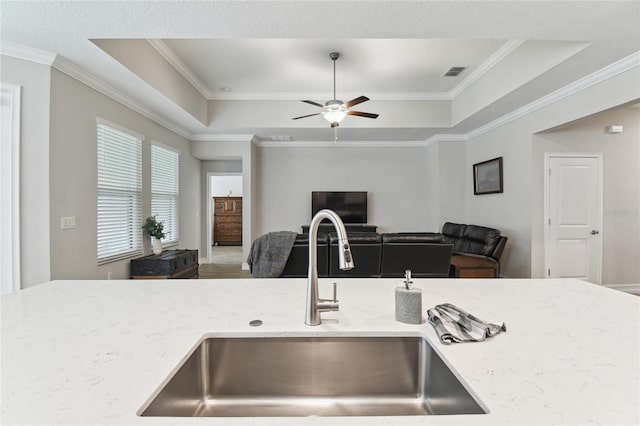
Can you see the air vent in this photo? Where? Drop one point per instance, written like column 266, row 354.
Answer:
column 454, row 71
column 281, row 138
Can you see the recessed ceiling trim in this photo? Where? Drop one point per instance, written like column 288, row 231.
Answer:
column 73, row 71
column 491, row 62
column 446, row 138
column 603, row 74
column 476, row 74
column 340, row 144
column 31, row 54
column 216, row 137
column 295, row 96
column 173, row 59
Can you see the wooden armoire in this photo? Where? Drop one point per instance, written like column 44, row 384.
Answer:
column 227, row 221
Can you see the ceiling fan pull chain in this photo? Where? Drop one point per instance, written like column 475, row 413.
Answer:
column 335, row 135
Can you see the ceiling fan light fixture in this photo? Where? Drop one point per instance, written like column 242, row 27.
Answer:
column 334, row 111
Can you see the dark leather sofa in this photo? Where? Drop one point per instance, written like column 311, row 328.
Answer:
column 466, row 251
column 375, row 255
column 298, row 263
column 366, row 248
column 425, row 254
column 474, row 246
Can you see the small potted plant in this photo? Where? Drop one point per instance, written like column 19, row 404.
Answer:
column 153, row 228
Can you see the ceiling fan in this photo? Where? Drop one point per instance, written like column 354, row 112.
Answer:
column 335, row 110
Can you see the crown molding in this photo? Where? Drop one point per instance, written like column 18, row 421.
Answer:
column 339, row 144
column 77, row 73
column 184, row 70
column 73, row 71
column 50, row 59
column 611, row 70
column 173, row 59
column 445, row 138
column 31, row 54
column 168, row 54
column 296, row 96
column 504, row 51
column 211, row 137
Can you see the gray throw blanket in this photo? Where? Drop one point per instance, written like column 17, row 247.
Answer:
column 269, row 254
column 462, row 326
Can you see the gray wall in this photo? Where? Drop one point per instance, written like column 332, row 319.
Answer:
column 518, row 211
column 396, row 179
column 73, row 171
column 34, row 166
column 621, row 176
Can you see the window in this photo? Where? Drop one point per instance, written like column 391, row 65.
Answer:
column 119, row 193
column 165, row 189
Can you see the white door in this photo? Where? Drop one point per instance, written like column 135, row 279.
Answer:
column 573, row 237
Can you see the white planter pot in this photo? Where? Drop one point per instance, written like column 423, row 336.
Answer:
column 156, row 245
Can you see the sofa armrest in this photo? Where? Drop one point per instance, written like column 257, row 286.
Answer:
column 497, row 251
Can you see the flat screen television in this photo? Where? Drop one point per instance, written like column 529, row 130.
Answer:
column 351, row 206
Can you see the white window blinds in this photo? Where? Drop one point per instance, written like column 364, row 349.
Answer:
column 165, row 193
column 119, row 194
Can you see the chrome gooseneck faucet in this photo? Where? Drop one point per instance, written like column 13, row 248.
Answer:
column 315, row 305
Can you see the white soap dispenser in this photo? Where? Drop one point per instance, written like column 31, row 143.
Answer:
column 408, row 302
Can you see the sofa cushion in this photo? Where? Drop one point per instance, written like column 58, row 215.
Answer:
column 297, row 265
column 357, row 238
column 424, row 259
column 303, row 239
column 452, row 233
column 478, row 240
column 413, row 237
column 366, row 249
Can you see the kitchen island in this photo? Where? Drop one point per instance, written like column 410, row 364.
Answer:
column 93, row 352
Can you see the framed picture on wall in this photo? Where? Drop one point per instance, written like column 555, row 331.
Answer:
column 487, row 177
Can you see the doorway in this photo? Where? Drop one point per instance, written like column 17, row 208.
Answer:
column 226, row 190
column 573, row 198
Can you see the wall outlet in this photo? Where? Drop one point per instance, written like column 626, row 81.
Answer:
column 68, row 222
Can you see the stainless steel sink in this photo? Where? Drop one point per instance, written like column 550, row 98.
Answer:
column 312, row 376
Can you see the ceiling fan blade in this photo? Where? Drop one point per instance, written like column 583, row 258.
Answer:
column 314, row 103
column 356, row 101
column 363, row 114
column 305, row 116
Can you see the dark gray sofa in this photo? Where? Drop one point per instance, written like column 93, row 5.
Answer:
column 375, row 255
column 425, row 254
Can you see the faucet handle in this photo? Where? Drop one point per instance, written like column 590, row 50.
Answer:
column 335, row 293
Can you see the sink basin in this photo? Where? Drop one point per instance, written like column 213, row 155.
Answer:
column 312, row 376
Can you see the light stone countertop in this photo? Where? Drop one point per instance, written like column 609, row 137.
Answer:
column 93, row 352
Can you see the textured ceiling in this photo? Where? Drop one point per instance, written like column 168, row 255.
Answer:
column 271, row 53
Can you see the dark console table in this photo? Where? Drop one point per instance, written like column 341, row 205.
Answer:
column 350, row 227
column 168, row 264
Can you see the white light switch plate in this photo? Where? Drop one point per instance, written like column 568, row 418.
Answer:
column 68, row 222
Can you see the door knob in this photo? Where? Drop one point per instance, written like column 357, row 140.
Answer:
column 594, row 232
